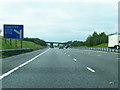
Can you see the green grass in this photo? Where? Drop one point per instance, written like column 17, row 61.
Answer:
column 5, row 44
column 105, row 45
column 25, row 44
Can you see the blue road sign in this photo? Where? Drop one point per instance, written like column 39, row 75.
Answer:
column 13, row 31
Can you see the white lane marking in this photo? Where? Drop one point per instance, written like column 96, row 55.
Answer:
column 111, row 82
column 99, row 55
column 105, row 52
column 90, row 69
column 13, row 70
column 65, row 53
column 68, row 55
column 88, row 53
column 75, row 59
column 115, row 53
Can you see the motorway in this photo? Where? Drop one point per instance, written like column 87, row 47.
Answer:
column 61, row 68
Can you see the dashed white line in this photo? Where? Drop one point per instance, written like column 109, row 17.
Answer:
column 90, row 69
column 115, row 53
column 75, row 59
column 65, row 53
column 111, row 82
column 99, row 55
column 88, row 53
column 68, row 55
column 105, row 52
column 13, row 70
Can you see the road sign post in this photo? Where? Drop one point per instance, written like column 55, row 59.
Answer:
column 15, row 42
column 5, row 41
column 21, row 43
column 10, row 41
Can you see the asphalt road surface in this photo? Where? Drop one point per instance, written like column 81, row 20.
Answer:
column 61, row 68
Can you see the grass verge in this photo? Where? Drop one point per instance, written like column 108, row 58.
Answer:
column 105, row 45
column 16, row 44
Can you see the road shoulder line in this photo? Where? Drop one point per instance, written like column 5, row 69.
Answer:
column 16, row 68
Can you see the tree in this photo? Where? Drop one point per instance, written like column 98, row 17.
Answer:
column 89, row 41
column 103, row 38
column 36, row 40
column 96, row 39
column 75, row 43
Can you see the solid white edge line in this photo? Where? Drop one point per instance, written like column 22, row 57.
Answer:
column 90, row 69
column 14, row 69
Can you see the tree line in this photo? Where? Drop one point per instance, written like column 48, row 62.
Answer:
column 96, row 39
column 75, row 43
column 92, row 40
column 36, row 40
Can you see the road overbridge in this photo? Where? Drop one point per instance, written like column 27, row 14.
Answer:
column 52, row 43
column 56, row 42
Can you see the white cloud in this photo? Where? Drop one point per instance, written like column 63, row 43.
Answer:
column 60, row 21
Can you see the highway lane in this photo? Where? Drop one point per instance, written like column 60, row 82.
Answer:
column 13, row 61
column 63, row 68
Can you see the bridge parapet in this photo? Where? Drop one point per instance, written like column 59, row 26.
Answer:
column 56, row 42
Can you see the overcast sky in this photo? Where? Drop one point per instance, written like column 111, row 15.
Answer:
column 61, row 20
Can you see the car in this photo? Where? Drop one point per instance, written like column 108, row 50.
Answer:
column 61, row 47
column 51, row 46
column 66, row 46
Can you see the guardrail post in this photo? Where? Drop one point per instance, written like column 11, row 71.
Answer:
column 118, row 50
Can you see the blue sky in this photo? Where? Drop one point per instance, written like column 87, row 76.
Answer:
column 62, row 20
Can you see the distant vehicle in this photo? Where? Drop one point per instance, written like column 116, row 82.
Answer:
column 114, row 41
column 61, row 47
column 51, row 46
column 67, row 46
